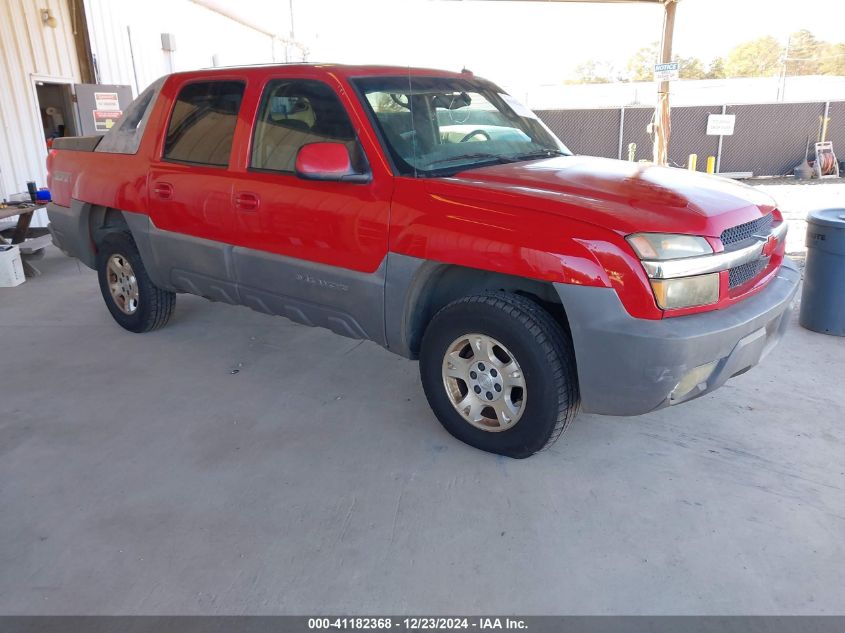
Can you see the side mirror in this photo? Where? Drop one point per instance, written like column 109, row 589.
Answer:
column 327, row 161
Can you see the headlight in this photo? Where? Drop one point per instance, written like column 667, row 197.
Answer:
column 675, row 292
column 685, row 292
column 668, row 246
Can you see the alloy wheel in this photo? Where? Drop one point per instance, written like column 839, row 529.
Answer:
column 122, row 284
column 484, row 382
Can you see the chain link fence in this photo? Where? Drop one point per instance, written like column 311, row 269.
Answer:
column 768, row 139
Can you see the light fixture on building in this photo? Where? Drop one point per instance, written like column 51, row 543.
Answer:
column 168, row 42
column 48, row 19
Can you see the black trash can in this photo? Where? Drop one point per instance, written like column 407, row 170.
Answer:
column 823, row 296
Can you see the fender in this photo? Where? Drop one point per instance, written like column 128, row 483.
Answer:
column 77, row 229
column 140, row 227
column 443, row 221
column 415, row 289
column 71, row 231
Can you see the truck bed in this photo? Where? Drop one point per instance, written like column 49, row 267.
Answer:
column 77, row 143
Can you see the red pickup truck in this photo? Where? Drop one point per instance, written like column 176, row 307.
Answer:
column 434, row 214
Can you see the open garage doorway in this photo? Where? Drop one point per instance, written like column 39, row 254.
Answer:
column 55, row 106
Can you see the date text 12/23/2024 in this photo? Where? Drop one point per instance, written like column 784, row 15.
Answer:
column 416, row 623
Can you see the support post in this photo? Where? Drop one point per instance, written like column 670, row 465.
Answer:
column 719, row 150
column 621, row 130
column 825, row 121
column 661, row 124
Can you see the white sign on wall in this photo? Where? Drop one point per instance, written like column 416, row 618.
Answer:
column 667, row 72
column 106, row 101
column 720, row 124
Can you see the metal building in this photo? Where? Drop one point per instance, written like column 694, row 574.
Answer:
column 47, row 47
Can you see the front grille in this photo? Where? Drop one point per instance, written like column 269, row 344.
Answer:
column 746, row 272
column 740, row 232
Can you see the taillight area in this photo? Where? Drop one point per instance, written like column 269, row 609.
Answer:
column 51, row 155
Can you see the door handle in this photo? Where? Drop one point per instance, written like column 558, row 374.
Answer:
column 163, row 190
column 246, row 201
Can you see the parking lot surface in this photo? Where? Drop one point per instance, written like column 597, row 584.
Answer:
column 236, row 463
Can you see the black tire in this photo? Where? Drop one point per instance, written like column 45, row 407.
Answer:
column 155, row 306
column 543, row 350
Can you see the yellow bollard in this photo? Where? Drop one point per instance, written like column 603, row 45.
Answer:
column 632, row 152
column 692, row 162
column 711, row 164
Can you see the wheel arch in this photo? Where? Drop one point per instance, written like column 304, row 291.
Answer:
column 105, row 220
column 417, row 289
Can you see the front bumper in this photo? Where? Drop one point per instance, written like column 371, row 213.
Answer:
column 629, row 366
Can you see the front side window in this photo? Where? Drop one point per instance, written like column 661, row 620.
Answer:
column 436, row 126
column 294, row 113
column 202, row 125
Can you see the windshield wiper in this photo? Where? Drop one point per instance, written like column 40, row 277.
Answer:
column 543, row 153
column 485, row 155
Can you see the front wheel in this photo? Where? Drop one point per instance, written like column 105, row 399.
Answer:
column 134, row 301
column 499, row 373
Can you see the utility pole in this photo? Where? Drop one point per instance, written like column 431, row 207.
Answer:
column 292, row 37
column 661, row 115
column 782, row 84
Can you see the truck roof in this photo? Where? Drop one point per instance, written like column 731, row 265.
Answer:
column 343, row 70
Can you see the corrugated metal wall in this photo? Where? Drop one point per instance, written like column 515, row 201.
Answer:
column 203, row 37
column 107, row 31
column 29, row 50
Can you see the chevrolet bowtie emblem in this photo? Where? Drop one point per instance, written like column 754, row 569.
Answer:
column 770, row 246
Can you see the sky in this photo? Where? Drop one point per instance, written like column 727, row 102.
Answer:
column 526, row 43
column 541, row 41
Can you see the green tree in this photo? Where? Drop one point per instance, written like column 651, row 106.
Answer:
column 804, row 54
column 762, row 57
column 593, row 72
column 641, row 64
column 716, row 69
column 691, row 68
column 832, row 60
column 808, row 55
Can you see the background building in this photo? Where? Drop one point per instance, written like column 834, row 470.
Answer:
column 48, row 46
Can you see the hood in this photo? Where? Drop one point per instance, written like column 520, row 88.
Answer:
column 623, row 196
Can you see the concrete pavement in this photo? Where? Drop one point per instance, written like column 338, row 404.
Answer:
column 238, row 463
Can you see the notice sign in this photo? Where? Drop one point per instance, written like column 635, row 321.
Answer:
column 667, row 72
column 721, row 124
column 104, row 120
column 106, row 101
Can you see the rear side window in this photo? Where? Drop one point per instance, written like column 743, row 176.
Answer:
column 294, row 113
column 203, row 123
column 125, row 137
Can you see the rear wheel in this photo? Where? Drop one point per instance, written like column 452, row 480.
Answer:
column 134, row 301
column 499, row 373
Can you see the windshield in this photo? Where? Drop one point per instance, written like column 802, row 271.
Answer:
column 435, row 126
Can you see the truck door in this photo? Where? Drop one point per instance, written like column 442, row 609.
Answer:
column 190, row 188
column 311, row 250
